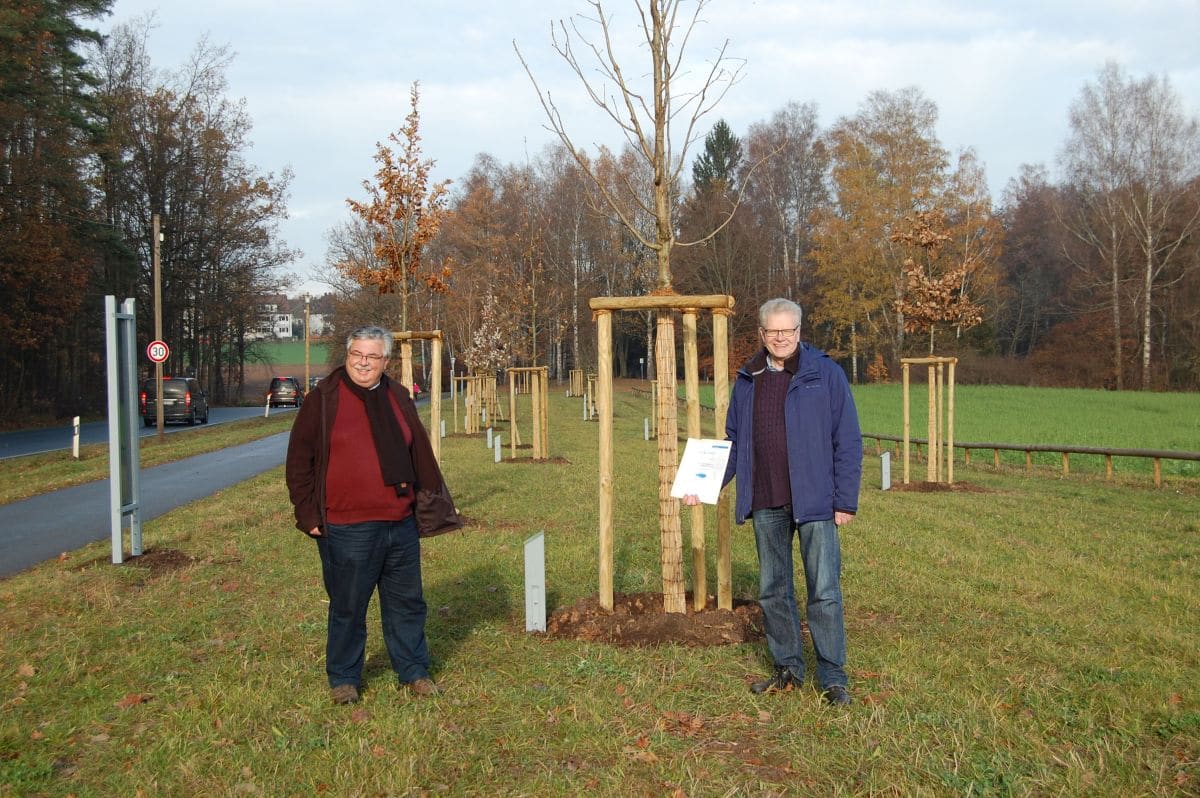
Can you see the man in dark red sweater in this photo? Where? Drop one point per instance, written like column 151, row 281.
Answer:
column 364, row 483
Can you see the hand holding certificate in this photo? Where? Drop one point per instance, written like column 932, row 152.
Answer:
column 702, row 469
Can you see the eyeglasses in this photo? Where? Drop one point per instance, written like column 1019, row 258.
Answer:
column 779, row 333
column 356, row 356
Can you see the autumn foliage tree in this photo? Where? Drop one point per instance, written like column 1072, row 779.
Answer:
column 931, row 298
column 403, row 211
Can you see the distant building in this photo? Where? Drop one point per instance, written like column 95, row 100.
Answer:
column 271, row 324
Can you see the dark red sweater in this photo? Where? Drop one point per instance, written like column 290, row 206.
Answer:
column 354, row 488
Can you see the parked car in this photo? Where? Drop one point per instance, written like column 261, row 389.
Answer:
column 285, row 391
column 312, row 382
column 183, row 400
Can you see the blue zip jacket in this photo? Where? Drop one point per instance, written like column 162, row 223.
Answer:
column 824, row 443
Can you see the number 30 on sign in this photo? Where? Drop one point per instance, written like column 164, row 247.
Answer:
column 158, row 351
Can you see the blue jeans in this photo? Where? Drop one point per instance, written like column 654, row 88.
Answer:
column 821, row 552
column 355, row 560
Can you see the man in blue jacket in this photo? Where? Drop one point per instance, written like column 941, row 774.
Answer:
column 797, row 456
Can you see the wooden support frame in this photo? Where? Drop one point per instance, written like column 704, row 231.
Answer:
column 663, row 392
column 406, row 337
column 940, row 371
column 538, row 380
column 576, row 383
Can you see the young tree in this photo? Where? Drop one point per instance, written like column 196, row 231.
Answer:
column 646, row 115
column 930, row 297
column 404, row 211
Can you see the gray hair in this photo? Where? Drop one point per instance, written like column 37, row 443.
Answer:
column 779, row 305
column 369, row 332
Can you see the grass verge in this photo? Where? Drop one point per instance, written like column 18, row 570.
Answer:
column 1036, row 637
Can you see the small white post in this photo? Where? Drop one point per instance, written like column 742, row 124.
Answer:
column 585, row 413
column 646, row 427
column 75, row 438
column 535, row 583
column 885, row 468
column 485, row 415
column 497, row 448
column 267, row 405
column 443, row 427
column 489, row 437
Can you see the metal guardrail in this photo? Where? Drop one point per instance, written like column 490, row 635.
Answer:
column 1158, row 455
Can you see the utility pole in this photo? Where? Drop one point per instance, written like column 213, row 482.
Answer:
column 158, row 367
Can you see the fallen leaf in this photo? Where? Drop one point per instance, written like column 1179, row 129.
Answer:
column 641, row 756
column 378, row 751
column 764, row 716
column 1175, row 699
column 36, row 735
column 133, row 699
column 25, row 669
column 360, row 715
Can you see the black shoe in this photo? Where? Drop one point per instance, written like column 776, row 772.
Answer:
column 838, row 696
column 781, row 681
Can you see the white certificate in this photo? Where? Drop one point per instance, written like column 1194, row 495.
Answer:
column 702, row 469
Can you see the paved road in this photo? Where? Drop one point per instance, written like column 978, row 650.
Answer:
column 56, row 439
column 41, row 527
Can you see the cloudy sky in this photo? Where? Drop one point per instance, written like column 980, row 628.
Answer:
column 324, row 81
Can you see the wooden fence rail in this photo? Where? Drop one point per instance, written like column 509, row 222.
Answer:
column 1158, row 455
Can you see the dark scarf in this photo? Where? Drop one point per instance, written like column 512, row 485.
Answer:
column 395, row 461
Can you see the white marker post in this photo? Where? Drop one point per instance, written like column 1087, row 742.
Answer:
column 75, row 438
column 267, row 405
column 646, row 428
column 885, row 469
column 497, row 447
column 489, row 437
column 443, row 427
column 535, row 583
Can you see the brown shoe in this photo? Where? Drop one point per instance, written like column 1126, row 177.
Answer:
column 344, row 694
column 424, row 687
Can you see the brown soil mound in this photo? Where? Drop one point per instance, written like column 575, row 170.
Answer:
column 638, row 620
column 939, row 487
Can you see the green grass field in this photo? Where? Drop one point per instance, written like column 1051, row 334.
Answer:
column 1065, row 416
column 1035, row 637
column 291, row 353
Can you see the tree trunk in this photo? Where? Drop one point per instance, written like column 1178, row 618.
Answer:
column 1115, row 266
column 674, row 598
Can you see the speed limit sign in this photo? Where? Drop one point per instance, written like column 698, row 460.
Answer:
column 158, row 351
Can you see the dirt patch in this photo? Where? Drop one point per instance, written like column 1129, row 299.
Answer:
column 638, row 620
column 159, row 561
column 939, row 487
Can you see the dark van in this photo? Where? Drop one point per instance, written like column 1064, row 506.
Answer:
column 183, row 400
